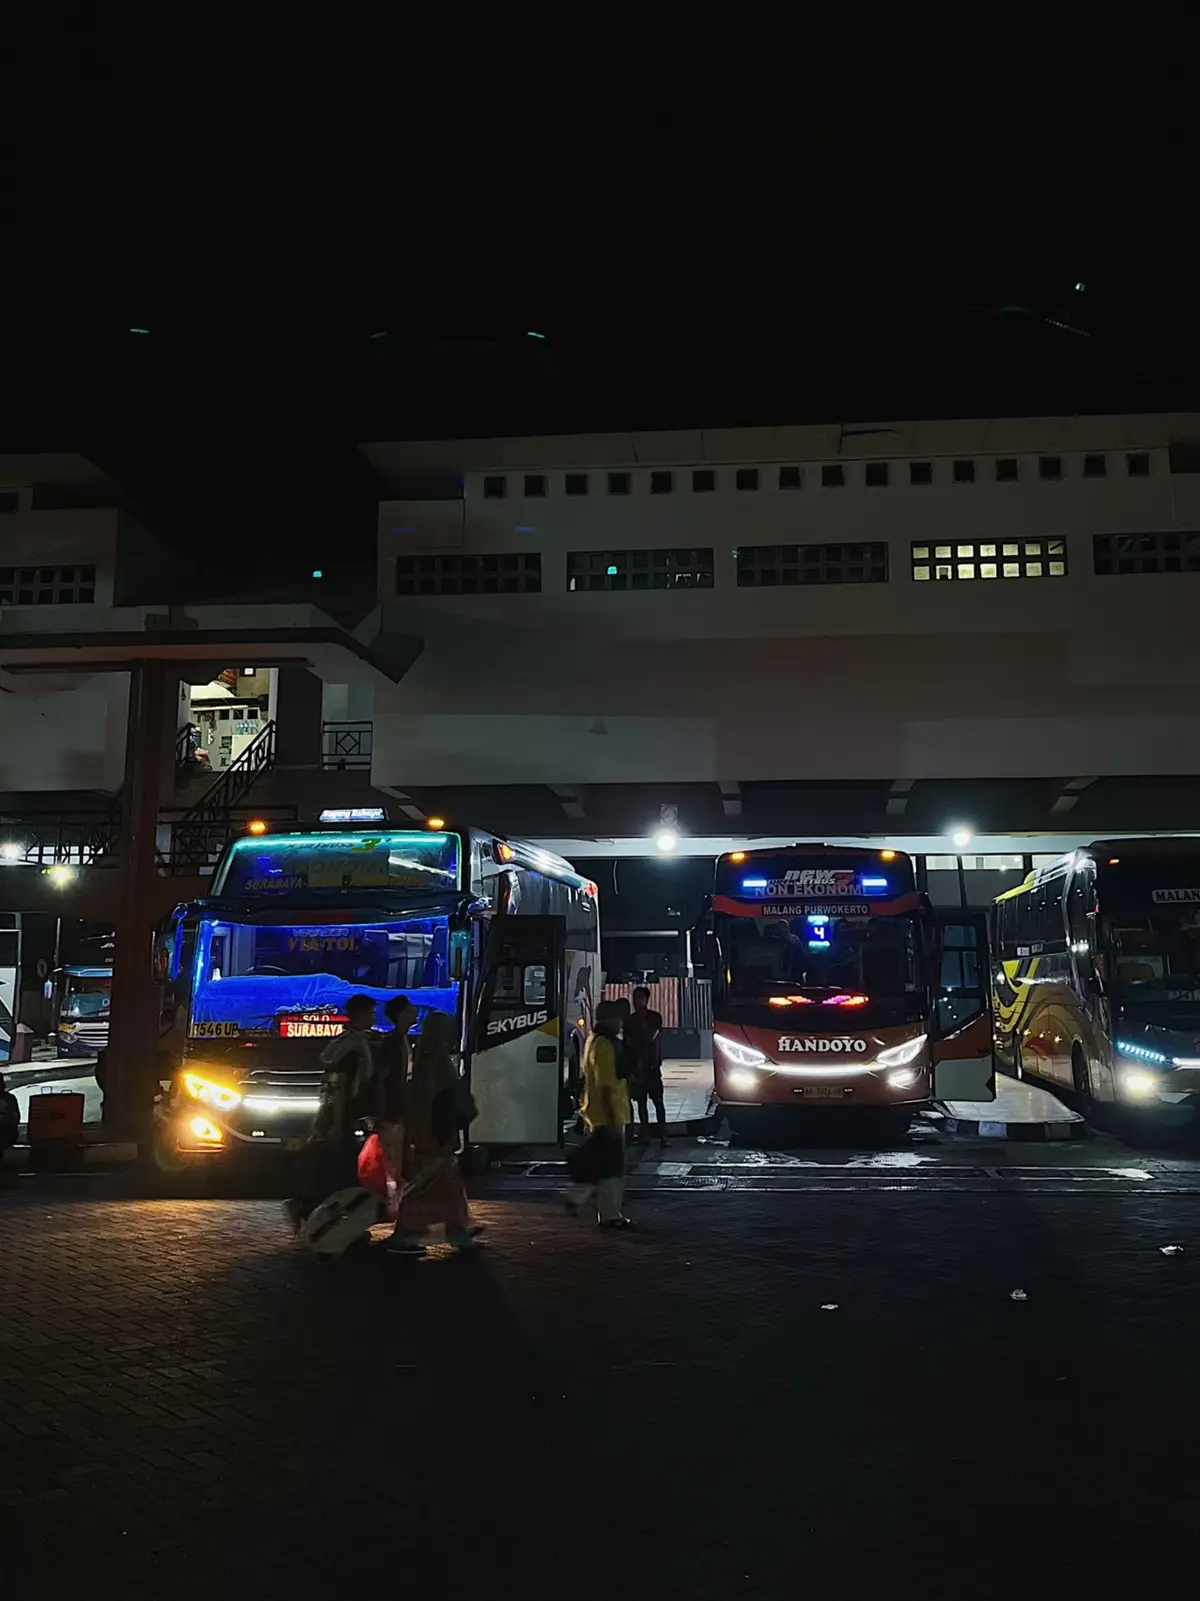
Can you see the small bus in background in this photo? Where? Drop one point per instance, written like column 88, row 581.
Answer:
column 499, row 934
column 1097, row 975
column 80, row 1002
column 837, row 986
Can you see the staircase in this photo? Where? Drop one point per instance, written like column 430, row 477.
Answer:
column 197, row 836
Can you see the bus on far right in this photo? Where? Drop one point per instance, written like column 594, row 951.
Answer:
column 1096, row 975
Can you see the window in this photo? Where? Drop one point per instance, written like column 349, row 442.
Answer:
column 618, row 483
column 495, row 487
column 1137, row 463
column 535, row 485
column 768, row 566
column 1006, row 469
column 509, row 574
column 920, row 472
column 833, row 477
column 704, row 481
column 747, row 478
column 47, row 586
column 1095, row 465
column 1050, row 467
column 964, row 472
column 10, row 501
column 1011, row 558
column 790, row 478
column 662, row 483
column 576, row 483
column 640, row 569
column 877, row 475
column 1183, row 455
column 1117, row 554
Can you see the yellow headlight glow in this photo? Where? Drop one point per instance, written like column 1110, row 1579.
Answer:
column 218, row 1095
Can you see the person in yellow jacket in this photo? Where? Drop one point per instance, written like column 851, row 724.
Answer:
column 606, row 1111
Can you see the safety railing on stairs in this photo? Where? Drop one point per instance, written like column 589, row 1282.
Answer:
column 194, row 834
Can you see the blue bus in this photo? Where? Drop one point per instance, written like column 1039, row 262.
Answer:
column 497, row 933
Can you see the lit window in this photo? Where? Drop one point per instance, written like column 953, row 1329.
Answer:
column 973, row 560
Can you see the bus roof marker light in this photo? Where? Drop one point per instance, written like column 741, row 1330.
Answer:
column 874, row 883
column 737, row 856
column 256, row 827
column 754, row 883
column 887, row 856
column 435, row 822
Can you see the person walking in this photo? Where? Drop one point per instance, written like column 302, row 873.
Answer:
column 330, row 1160
column 643, row 1046
column 599, row 1165
column 434, row 1190
column 387, row 1095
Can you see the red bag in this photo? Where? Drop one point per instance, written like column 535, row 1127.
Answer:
column 373, row 1167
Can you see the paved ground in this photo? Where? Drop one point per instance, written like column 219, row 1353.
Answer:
column 189, row 1405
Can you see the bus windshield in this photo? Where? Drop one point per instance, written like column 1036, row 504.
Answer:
column 289, row 864
column 88, row 1002
column 816, row 955
column 1156, row 957
column 293, row 980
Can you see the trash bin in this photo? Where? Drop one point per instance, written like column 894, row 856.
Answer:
column 22, row 1045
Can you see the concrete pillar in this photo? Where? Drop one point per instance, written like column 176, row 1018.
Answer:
column 149, row 773
column 298, row 718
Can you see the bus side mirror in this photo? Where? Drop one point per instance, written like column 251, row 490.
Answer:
column 460, row 947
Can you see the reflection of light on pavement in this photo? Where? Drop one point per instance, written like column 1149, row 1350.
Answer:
column 87, row 1086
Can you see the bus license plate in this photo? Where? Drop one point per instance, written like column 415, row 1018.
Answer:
column 822, row 1092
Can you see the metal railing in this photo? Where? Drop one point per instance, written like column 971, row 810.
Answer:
column 69, row 839
column 345, row 746
column 192, row 835
column 190, row 846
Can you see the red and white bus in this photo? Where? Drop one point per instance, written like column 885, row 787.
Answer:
column 838, row 986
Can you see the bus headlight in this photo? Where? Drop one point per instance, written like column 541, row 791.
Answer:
column 219, row 1096
column 740, row 1055
column 1139, row 1085
column 741, row 1078
column 902, row 1078
column 204, row 1131
column 902, row 1055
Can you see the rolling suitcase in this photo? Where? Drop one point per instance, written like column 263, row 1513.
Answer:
column 334, row 1226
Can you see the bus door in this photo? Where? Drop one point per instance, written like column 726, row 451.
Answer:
column 516, row 1035
column 964, row 1067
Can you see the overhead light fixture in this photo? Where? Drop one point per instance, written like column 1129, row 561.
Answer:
column 60, row 874
column 665, row 840
column 961, row 836
column 11, row 851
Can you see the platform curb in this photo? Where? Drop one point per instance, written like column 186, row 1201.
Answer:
column 988, row 1129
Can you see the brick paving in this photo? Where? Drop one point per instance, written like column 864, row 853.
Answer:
column 191, row 1406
